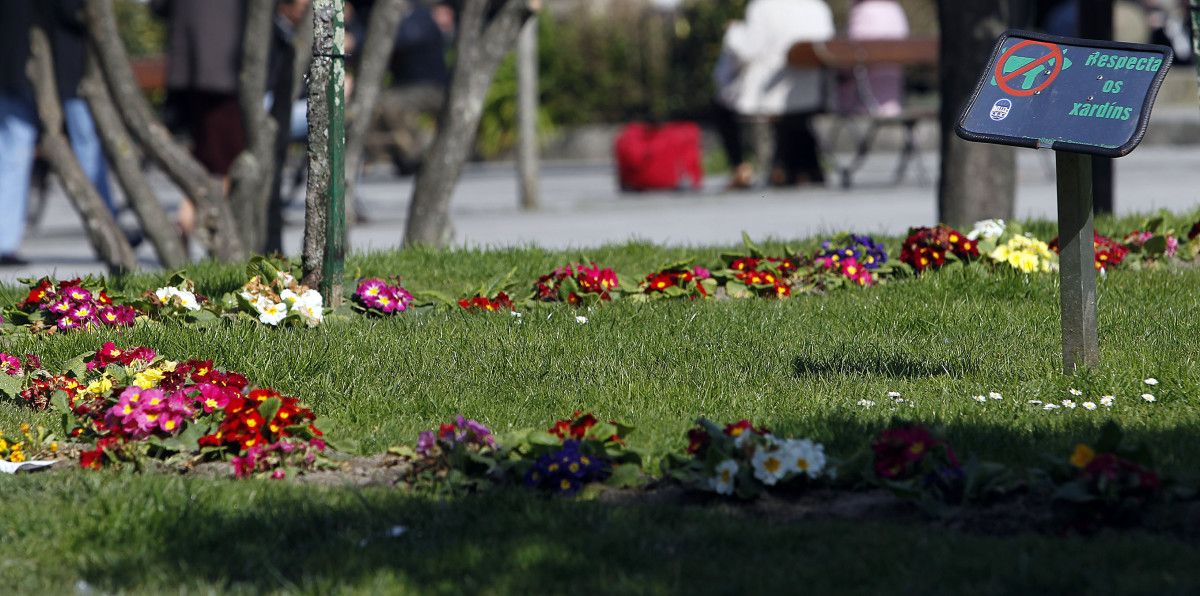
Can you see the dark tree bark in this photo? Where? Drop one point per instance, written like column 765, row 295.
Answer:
column 126, row 162
column 488, row 30
column 253, row 172
column 102, row 230
column 216, row 228
column 376, row 50
column 978, row 180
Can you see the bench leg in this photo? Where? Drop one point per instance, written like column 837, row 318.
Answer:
column 860, row 155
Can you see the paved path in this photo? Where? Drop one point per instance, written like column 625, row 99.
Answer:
column 582, row 208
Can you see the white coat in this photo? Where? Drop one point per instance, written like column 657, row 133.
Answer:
column 756, row 50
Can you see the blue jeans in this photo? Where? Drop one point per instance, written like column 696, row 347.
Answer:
column 81, row 129
column 18, row 136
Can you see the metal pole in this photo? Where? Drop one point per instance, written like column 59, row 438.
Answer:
column 527, row 115
column 329, row 57
column 1096, row 22
column 1081, row 346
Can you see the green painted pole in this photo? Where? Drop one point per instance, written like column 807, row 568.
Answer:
column 330, row 14
column 1194, row 7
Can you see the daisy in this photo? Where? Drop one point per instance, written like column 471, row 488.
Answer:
column 769, row 465
column 1068, row 404
column 1151, row 381
column 1074, row 392
column 1107, row 401
column 1149, row 397
column 995, row 395
column 1089, row 406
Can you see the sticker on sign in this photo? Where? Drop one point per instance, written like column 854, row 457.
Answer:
column 1077, row 95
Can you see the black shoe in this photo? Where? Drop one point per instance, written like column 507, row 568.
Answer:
column 12, row 260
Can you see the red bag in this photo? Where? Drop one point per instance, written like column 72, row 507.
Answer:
column 659, row 156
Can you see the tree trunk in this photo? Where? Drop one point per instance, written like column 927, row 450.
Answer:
column 978, row 180
column 527, row 116
column 216, row 228
column 102, row 230
column 288, row 85
column 253, row 172
column 126, row 162
column 325, row 217
column 483, row 42
column 376, row 51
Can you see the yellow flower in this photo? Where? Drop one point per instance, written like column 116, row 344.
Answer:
column 167, row 365
column 25, row 428
column 54, row 447
column 101, row 386
column 1083, row 456
column 16, row 457
column 3, row 445
column 148, row 378
column 1027, row 263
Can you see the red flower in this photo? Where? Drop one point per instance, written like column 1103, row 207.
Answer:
column 737, row 428
column 92, row 460
column 698, row 441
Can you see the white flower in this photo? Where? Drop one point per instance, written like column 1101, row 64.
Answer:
column 722, row 483
column 289, row 297
column 1036, row 402
column 272, row 313
column 261, row 303
column 1107, row 401
column 1068, row 404
column 312, row 298
column 180, row 297
column 893, row 394
column 866, row 403
column 1051, row 407
column 1074, row 392
column 515, row 314
column 987, row 229
column 980, row 398
column 285, row 278
column 1149, row 397
column 803, row 457
column 1151, row 381
column 582, row 320
column 247, row 296
column 769, row 465
column 311, row 315
column 995, row 395
column 1089, row 406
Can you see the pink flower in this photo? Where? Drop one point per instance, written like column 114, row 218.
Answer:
column 701, row 273
column 76, row 293
column 170, row 423
column 10, row 364
column 278, row 474
column 213, row 397
column 67, row 324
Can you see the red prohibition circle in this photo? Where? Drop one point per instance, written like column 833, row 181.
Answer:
column 1002, row 79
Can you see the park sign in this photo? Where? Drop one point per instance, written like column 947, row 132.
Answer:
column 1077, row 95
column 1084, row 99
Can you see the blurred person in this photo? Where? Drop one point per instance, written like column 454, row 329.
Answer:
column 18, row 126
column 881, row 90
column 420, row 77
column 727, row 82
column 203, row 56
column 18, row 115
column 1170, row 26
column 69, row 39
column 288, row 15
column 769, row 88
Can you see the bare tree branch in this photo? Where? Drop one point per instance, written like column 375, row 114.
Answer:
column 482, row 44
column 216, row 230
column 253, row 170
column 376, row 50
column 126, row 162
column 102, row 229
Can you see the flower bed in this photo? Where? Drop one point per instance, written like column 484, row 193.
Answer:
column 129, row 407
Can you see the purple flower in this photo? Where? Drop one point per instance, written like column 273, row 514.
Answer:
column 425, row 443
column 67, row 324
column 76, row 293
column 473, row 431
column 62, row 306
column 701, row 273
column 121, row 315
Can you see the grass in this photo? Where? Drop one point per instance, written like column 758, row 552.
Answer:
column 799, row 366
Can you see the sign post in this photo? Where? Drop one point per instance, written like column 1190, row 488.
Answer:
column 1084, row 99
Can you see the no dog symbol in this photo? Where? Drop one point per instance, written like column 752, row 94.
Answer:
column 1039, row 60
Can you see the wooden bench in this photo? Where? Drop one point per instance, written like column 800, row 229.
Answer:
column 855, row 57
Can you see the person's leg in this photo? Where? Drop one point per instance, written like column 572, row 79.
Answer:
column 18, row 137
column 808, row 158
column 81, row 129
column 797, row 158
column 730, row 131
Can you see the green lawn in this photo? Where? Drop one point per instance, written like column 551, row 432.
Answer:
column 799, row 366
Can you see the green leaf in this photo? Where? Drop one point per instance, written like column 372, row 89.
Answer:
column 626, row 476
column 11, row 385
column 1156, row 245
column 269, row 408
column 542, row 438
column 77, row 366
